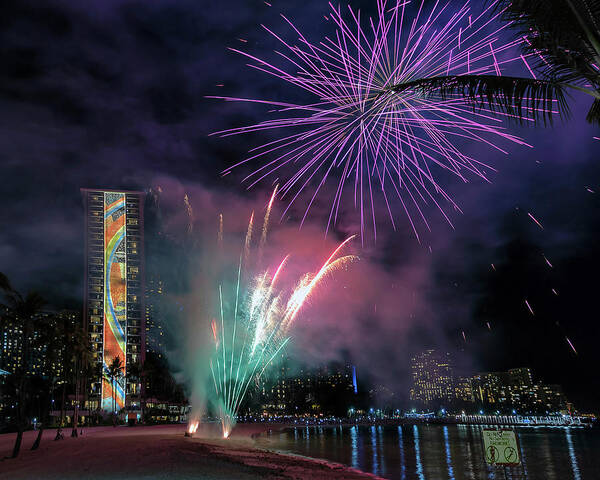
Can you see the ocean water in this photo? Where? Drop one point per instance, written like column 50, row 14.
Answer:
column 436, row 452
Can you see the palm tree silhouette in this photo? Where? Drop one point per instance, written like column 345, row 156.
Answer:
column 563, row 39
column 114, row 373
column 21, row 312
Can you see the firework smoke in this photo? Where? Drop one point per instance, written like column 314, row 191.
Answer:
column 254, row 319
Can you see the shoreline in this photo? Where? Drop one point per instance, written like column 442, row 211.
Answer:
column 163, row 452
column 312, row 465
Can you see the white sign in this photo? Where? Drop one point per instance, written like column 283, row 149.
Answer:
column 500, row 447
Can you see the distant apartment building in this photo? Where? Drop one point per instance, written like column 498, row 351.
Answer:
column 307, row 390
column 516, row 389
column 435, row 385
column 38, row 362
column 114, row 292
column 463, row 389
column 432, row 379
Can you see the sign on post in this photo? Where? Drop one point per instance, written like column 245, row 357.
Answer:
column 501, row 447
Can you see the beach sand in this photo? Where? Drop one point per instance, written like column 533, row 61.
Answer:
column 161, row 452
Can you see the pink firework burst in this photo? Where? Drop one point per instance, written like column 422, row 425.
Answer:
column 360, row 139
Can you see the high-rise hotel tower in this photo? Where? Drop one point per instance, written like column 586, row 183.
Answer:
column 114, row 293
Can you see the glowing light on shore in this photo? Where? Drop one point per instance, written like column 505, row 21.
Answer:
column 193, row 427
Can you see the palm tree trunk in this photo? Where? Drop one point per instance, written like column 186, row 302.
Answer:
column 62, row 406
column 45, row 418
column 142, row 398
column 21, row 395
column 85, row 396
column 75, row 418
column 38, row 439
column 114, row 399
column 76, row 410
column 20, row 417
column 18, row 441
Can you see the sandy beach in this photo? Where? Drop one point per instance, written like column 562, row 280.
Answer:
column 161, row 452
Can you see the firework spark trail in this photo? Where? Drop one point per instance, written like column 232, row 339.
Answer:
column 535, row 220
column 190, row 213
column 263, row 237
column 248, row 237
column 255, row 323
column 220, row 232
column 357, row 130
column 571, row 345
column 529, row 307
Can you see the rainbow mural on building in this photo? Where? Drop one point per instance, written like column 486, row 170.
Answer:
column 115, row 296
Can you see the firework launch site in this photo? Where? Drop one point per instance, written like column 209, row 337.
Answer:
column 162, row 452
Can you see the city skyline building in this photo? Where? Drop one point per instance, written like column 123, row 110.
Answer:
column 307, row 390
column 435, row 385
column 37, row 363
column 12, row 357
column 114, row 292
column 433, row 380
column 516, row 388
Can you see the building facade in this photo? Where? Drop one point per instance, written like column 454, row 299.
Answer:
column 432, row 379
column 308, row 390
column 155, row 334
column 45, row 359
column 434, row 385
column 37, row 363
column 516, row 389
column 114, row 293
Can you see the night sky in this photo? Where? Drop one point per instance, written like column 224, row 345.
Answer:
column 111, row 94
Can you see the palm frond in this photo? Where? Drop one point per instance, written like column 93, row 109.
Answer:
column 562, row 37
column 593, row 115
column 521, row 99
column 5, row 283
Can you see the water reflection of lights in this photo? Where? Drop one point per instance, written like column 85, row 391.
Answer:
column 574, row 466
column 374, row 450
column 448, row 456
column 401, row 445
column 380, row 450
column 418, row 454
column 354, row 442
column 522, row 456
